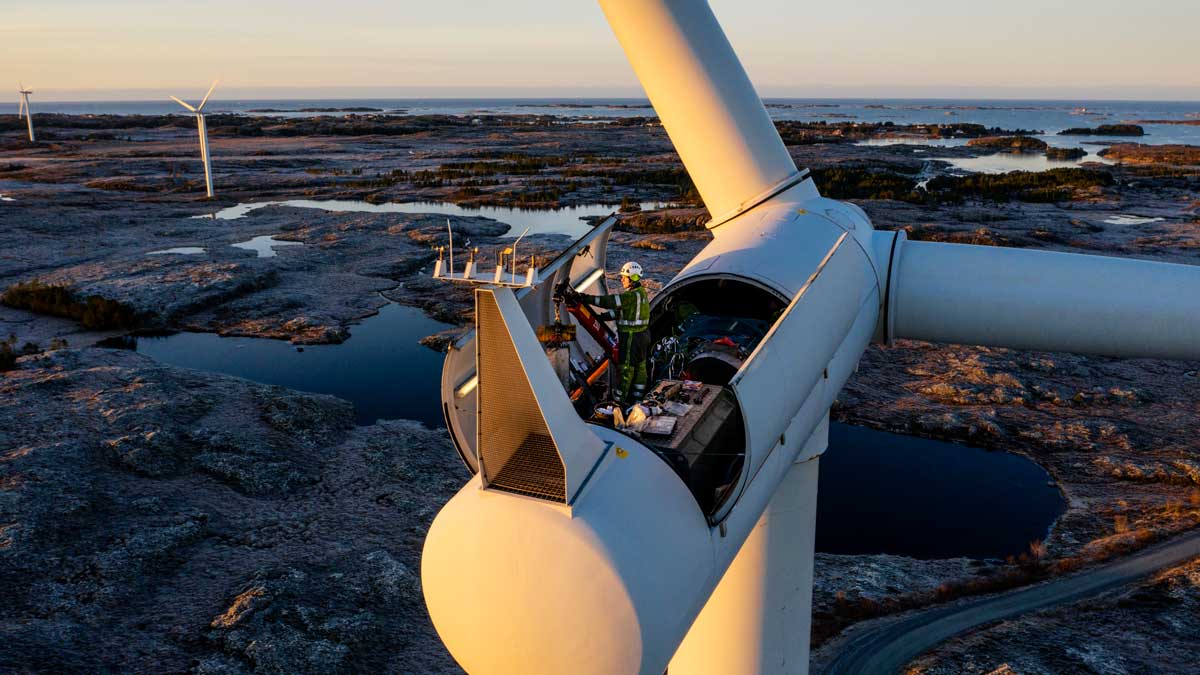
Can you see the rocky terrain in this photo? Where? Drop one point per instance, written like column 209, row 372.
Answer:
column 1136, row 153
column 129, row 509
column 155, row 519
column 1187, row 123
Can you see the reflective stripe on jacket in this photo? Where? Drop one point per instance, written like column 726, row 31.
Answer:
column 631, row 307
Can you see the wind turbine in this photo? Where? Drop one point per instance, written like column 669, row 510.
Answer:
column 23, row 110
column 576, row 548
column 203, row 127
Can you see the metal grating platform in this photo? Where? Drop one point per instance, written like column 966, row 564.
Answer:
column 535, row 470
column 516, row 451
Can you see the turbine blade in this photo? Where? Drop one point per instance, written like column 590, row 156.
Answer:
column 186, row 105
column 706, row 102
column 210, row 91
column 1046, row 301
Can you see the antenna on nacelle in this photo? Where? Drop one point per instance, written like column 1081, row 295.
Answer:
column 471, row 274
column 513, row 277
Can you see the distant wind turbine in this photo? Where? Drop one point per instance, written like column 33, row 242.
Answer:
column 199, row 110
column 23, row 111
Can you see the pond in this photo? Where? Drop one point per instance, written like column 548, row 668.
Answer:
column 567, row 220
column 879, row 492
column 913, row 140
column 381, row 369
column 264, row 245
column 889, row 493
column 179, row 250
column 1005, row 162
column 1125, row 219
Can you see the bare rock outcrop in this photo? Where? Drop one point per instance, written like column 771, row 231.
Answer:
column 208, row 524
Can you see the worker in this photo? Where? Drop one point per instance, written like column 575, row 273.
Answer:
column 632, row 310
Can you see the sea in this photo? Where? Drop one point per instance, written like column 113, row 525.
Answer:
column 1047, row 117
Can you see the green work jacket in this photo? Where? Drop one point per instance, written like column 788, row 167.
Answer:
column 631, row 307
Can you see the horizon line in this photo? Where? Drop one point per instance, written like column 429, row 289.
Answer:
column 1148, row 94
column 153, row 97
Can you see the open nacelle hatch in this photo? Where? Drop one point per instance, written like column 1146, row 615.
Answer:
column 703, row 331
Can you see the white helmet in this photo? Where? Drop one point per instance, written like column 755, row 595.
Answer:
column 632, row 270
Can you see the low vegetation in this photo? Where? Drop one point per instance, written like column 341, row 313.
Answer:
column 1105, row 130
column 125, row 184
column 1009, row 143
column 1050, row 186
column 523, row 166
column 854, row 182
column 862, row 183
column 350, row 125
column 667, row 221
column 8, row 355
column 539, row 181
column 981, row 236
column 92, row 312
column 669, row 177
column 808, row 133
column 1137, row 153
column 247, row 126
column 546, row 197
column 1065, row 153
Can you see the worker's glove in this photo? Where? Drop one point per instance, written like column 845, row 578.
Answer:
column 560, row 290
column 564, row 293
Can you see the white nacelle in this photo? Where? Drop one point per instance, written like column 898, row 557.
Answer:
column 612, row 582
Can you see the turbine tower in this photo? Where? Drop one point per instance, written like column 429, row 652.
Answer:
column 579, row 548
column 203, row 127
column 23, row 110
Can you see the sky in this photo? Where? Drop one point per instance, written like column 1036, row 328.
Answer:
column 137, row 49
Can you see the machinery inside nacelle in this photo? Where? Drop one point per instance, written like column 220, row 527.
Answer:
column 706, row 329
column 701, row 334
